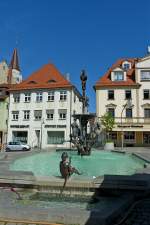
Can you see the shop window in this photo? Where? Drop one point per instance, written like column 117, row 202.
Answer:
column 55, row 137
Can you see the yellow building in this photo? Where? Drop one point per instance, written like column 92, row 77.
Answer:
column 127, row 81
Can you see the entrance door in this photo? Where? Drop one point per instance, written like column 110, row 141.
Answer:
column 146, row 138
column 37, row 132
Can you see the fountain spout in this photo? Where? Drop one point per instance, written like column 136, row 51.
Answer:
column 81, row 137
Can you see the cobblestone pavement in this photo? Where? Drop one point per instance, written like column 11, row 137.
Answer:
column 139, row 215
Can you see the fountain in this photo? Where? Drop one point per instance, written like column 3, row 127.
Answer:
column 85, row 128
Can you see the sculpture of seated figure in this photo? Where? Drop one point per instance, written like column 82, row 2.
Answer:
column 75, row 129
column 66, row 169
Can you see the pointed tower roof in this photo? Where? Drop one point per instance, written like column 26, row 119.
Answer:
column 14, row 64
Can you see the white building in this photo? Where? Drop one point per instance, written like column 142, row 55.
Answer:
column 127, row 79
column 41, row 109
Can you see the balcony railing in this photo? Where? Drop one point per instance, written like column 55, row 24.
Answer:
column 136, row 121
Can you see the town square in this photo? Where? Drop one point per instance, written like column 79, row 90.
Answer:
column 74, row 112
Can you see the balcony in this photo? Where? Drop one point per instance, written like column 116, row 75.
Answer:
column 131, row 122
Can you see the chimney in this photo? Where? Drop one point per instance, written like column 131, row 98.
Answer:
column 67, row 76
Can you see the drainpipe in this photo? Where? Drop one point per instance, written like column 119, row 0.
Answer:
column 70, row 114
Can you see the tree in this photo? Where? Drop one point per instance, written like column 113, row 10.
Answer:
column 108, row 122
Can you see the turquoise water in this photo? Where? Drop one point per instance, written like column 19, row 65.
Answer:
column 99, row 163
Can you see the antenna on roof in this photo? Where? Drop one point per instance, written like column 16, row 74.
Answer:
column 148, row 49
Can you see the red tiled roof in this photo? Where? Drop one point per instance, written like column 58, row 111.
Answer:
column 46, row 77
column 105, row 80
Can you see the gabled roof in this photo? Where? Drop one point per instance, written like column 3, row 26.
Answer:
column 48, row 77
column 105, row 80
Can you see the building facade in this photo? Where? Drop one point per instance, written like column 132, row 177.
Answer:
column 41, row 109
column 9, row 74
column 128, row 80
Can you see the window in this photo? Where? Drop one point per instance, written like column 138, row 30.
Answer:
column 51, row 96
column 111, row 94
column 129, row 113
column 145, row 75
column 26, row 115
column 113, row 135
column 16, row 97
column 126, row 66
column 50, row 114
column 128, row 94
column 147, row 113
column 63, row 95
column 62, row 114
column 27, row 97
column 111, row 111
column 55, row 137
column 51, row 81
column 118, row 75
column 146, row 94
column 39, row 97
column 75, row 97
column 129, row 135
column 38, row 114
column 15, row 115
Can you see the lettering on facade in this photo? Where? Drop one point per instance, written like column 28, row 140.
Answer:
column 55, row 126
column 19, row 126
column 130, row 126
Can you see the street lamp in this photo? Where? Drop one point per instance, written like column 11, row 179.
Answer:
column 129, row 106
column 42, row 122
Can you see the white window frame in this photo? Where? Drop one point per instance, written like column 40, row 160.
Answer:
column 63, row 95
column 148, row 93
column 26, row 114
column 50, row 116
column 15, row 115
column 38, row 117
column 145, row 75
column 39, row 97
column 147, row 113
column 16, row 98
column 62, row 116
column 27, row 97
column 117, row 75
column 51, row 96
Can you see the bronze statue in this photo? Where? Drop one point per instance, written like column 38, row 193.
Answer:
column 66, row 169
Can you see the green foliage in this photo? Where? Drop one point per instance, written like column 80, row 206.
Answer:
column 108, row 122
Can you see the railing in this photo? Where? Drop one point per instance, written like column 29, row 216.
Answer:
column 134, row 120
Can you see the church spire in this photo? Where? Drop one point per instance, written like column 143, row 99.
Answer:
column 14, row 64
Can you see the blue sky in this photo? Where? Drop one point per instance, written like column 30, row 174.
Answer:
column 74, row 35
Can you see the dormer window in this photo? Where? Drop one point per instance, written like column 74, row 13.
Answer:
column 32, row 82
column 51, row 81
column 126, row 65
column 118, row 75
